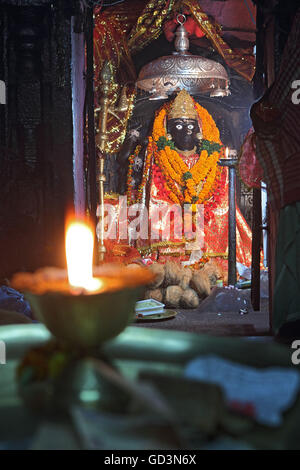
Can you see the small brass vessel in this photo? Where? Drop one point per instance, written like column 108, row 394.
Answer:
column 84, row 319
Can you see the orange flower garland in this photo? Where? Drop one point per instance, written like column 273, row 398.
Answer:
column 182, row 185
column 194, row 185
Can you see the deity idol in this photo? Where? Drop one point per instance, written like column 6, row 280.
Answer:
column 180, row 167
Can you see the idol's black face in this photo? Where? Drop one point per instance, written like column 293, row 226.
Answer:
column 183, row 132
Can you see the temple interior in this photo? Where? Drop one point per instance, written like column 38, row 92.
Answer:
column 149, row 226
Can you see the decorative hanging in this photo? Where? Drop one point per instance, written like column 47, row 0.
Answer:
column 183, row 70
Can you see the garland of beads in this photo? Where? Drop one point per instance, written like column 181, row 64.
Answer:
column 130, row 171
column 130, row 198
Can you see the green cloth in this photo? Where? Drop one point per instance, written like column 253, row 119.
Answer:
column 286, row 298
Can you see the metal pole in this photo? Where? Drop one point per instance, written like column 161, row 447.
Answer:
column 264, row 205
column 106, row 77
column 230, row 163
column 232, row 227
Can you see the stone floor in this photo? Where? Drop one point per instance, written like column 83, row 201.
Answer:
column 218, row 324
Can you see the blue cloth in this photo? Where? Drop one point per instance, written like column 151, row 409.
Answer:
column 10, row 299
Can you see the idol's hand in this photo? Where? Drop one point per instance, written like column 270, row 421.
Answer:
column 129, row 144
column 134, row 135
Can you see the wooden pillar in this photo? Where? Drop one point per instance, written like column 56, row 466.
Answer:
column 36, row 138
column 92, row 171
column 256, row 246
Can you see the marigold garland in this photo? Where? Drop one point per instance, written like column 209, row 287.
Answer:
column 181, row 184
column 194, row 185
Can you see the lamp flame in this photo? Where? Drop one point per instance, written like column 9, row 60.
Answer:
column 79, row 253
column 226, row 152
